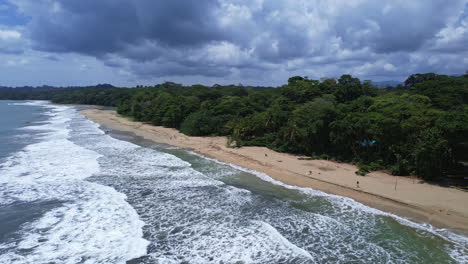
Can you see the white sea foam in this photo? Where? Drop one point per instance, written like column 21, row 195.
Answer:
column 51, row 160
column 180, row 197
column 225, row 241
column 97, row 227
column 32, row 103
column 271, row 231
column 95, row 224
column 458, row 252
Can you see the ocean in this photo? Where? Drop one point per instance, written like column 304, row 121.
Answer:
column 74, row 192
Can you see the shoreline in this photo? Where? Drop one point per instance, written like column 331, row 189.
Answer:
column 438, row 206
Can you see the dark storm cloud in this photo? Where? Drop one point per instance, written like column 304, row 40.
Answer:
column 216, row 38
column 179, row 23
column 85, row 26
column 169, row 68
column 106, row 26
column 52, row 57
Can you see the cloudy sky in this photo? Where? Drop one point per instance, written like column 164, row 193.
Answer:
column 256, row 42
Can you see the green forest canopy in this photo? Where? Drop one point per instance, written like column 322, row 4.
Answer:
column 419, row 128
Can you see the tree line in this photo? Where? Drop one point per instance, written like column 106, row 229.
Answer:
column 418, row 128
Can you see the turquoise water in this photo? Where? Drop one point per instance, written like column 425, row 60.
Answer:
column 71, row 193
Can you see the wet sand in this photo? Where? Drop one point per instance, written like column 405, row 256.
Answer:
column 408, row 197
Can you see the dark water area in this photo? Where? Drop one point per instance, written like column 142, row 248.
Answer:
column 15, row 115
column 14, row 215
column 74, row 192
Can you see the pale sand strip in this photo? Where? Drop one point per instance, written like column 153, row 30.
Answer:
column 438, row 206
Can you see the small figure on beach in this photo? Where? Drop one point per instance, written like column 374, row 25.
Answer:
column 357, row 184
column 266, row 155
column 310, row 172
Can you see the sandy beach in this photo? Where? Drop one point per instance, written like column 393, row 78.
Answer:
column 408, row 197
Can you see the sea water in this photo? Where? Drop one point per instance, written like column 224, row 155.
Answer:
column 72, row 193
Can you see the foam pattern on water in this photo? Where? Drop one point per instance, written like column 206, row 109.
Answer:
column 94, row 224
column 348, row 216
column 189, row 215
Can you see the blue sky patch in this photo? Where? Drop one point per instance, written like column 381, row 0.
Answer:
column 9, row 15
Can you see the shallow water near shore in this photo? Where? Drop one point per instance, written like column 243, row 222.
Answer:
column 111, row 197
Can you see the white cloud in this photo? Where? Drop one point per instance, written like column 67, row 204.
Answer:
column 389, row 67
column 225, row 53
column 12, row 40
column 8, row 35
column 452, row 38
